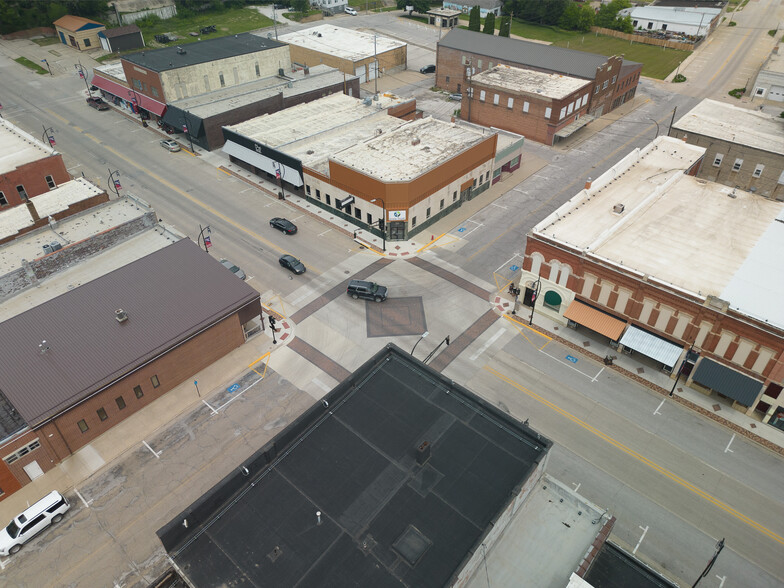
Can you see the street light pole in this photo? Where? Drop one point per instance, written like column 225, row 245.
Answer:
column 135, row 101
column 719, row 547
column 83, row 74
column 114, row 182
column 49, row 67
column 422, row 336
column 203, row 238
column 186, row 128
column 537, row 289
column 383, row 226
column 680, row 369
column 50, row 138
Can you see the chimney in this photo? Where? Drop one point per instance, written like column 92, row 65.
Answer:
column 423, row 453
column 120, row 315
column 588, row 184
column 33, row 212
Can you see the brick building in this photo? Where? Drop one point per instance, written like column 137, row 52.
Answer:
column 661, row 262
column 27, row 166
column 744, row 148
column 535, row 104
column 408, row 172
column 353, row 52
column 462, row 54
column 83, row 361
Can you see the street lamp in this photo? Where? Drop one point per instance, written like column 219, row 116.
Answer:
column 185, row 128
column 49, row 67
column 382, row 224
column 83, row 74
column 537, row 289
column 719, row 547
column 135, row 101
column 422, row 336
column 657, row 126
column 49, row 137
column 205, row 238
column 680, row 369
column 114, row 182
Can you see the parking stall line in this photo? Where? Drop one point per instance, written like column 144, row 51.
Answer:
column 86, row 504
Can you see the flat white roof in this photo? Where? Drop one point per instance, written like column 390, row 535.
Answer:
column 728, row 122
column 112, row 69
column 518, row 80
column 348, row 44
column 775, row 62
column 18, row 147
column 697, row 236
column 47, row 204
column 410, row 150
column 674, row 14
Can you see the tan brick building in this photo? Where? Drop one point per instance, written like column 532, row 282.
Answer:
column 353, row 52
column 112, row 346
column 462, row 54
column 744, row 148
column 660, row 262
column 78, row 32
column 27, row 166
column 534, row 104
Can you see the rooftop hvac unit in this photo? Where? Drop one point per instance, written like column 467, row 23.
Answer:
column 281, row 73
column 47, row 248
column 618, row 208
column 55, row 245
column 120, row 315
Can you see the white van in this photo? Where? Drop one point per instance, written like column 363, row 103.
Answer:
column 350, row 11
column 47, row 511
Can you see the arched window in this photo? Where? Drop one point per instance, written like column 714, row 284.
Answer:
column 555, row 267
column 536, row 263
column 566, row 271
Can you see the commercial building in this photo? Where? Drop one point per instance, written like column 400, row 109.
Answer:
column 353, row 52
column 444, row 18
column 744, row 148
column 155, row 78
column 363, row 162
column 397, row 477
column 540, row 106
column 205, row 115
column 463, row 54
column 693, row 21
column 676, row 268
column 103, row 312
column 121, row 38
column 28, row 167
column 485, row 6
column 78, row 32
column 769, row 84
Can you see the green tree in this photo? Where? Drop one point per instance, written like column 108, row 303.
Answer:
column 474, row 20
column 420, row 6
column 607, row 16
column 587, row 15
column 505, row 27
column 570, row 17
column 489, row 24
column 301, row 6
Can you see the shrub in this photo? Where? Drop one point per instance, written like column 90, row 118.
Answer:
column 737, row 92
column 678, row 79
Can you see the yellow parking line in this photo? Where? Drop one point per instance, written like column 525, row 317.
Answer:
column 268, row 354
column 431, row 242
column 641, row 458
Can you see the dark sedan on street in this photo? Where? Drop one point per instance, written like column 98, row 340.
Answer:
column 284, row 225
column 292, row 264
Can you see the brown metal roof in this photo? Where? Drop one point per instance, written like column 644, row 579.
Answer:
column 169, row 295
column 73, row 23
column 120, row 31
column 596, row 320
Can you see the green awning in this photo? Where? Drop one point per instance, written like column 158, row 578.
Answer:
column 552, row 298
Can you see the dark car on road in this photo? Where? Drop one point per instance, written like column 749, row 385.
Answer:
column 97, row 103
column 292, row 264
column 367, row 290
column 284, row 225
column 428, row 69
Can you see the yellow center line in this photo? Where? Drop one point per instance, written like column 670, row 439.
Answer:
column 726, row 61
column 641, row 458
column 161, row 180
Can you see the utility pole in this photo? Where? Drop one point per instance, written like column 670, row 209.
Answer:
column 672, row 120
column 375, row 58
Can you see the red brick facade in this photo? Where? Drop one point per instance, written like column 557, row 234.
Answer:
column 715, row 331
column 32, row 177
column 535, row 116
column 144, row 81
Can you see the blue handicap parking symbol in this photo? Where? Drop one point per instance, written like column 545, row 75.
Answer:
column 571, row 358
column 514, row 268
column 233, row 388
column 461, row 229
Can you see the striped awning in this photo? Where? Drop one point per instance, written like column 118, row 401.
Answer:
column 654, row 347
column 727, row 381
column 596, row 320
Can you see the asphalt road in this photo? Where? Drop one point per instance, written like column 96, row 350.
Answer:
column 665, row 473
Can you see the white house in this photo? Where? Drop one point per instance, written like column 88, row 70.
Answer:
column 331, row 6
column 485, row 6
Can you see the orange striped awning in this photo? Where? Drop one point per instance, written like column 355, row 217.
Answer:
column 595, row 320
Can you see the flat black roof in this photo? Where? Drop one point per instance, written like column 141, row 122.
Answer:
column 614, row 568
column 385, row 520
column 201, row 52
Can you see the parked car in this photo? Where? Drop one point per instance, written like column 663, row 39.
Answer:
column 170, row 145
column 292, row 264
column 367, row 290
column 284, row 225
column 456, row 97
column 350, row 11
column 47, row 511
column 428, row 69
column 97, row 103
column 233, row 269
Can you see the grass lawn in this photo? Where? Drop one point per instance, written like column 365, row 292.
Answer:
column 657, row 62
column 298, row 16
column 34, row 66
column 46, row 41
column 229, row 22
